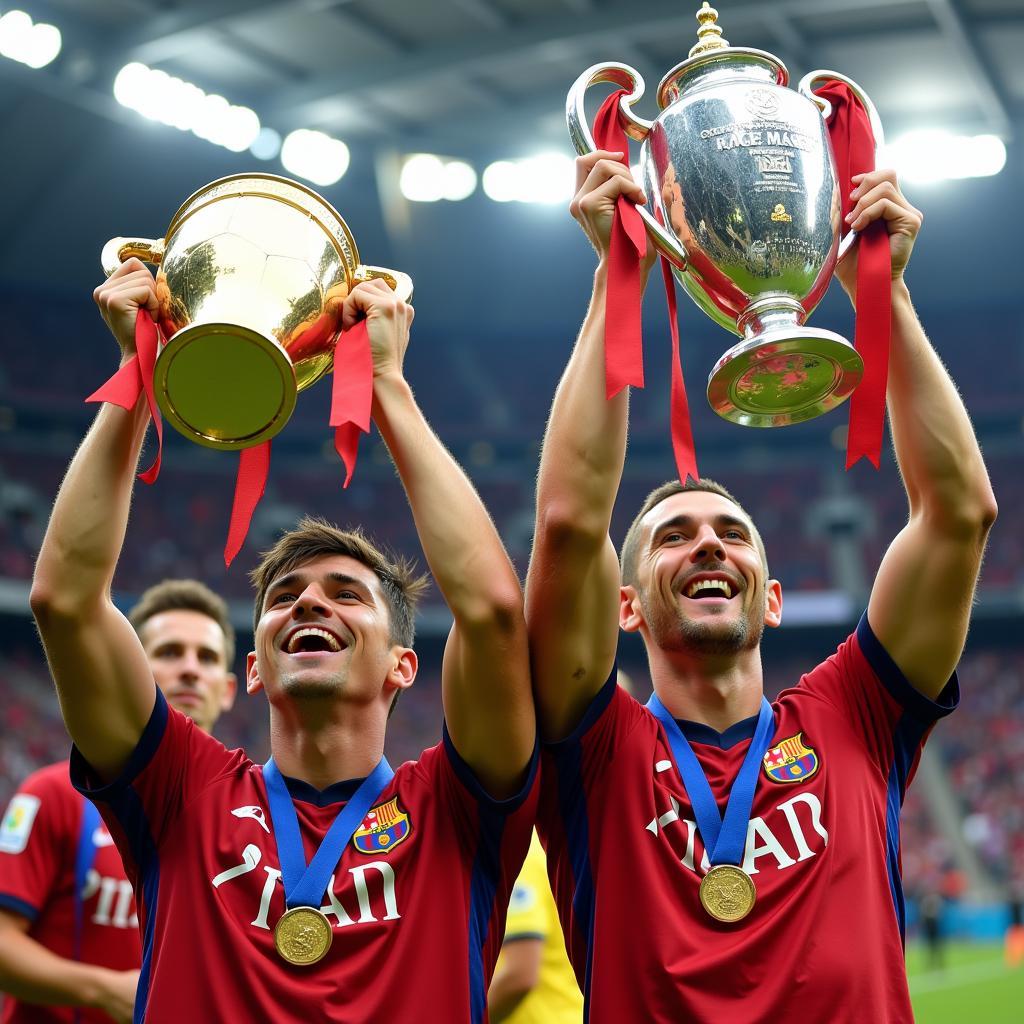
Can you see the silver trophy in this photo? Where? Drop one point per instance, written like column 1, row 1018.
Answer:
column 743, row 200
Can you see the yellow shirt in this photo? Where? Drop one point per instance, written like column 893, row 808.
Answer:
column 556, row 999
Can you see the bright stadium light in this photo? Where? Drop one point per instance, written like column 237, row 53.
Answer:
column 266, row 145
column 26, row 42
column 500, row 182
column 933, row 155
column 422, row 178
column 546, row 178
column 459, row 180
column 426, row 178
column 315, row 156
column 161, row 97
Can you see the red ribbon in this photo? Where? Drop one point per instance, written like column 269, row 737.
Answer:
column 250, row 483
column 132, row 379
column 682, row 433
column 351, row 394
column 351, row 404
column 853, row 144
column 623, row 331
column 623, row 339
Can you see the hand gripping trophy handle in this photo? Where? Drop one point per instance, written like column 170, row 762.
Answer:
column 251, row 276
column 117, row 250
column 806, row 88
column 635, row 127
column 399, row 283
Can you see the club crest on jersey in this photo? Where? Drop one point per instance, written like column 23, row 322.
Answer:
column 383, row 828
column 791, row 760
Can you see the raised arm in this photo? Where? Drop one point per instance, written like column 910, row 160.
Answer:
column 485, row 677
column 103, row 678
column 921, row 602
column 572, row 588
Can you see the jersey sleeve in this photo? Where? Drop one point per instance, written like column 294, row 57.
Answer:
column 38, row 838
column 876, row 701
column 492, row 837
column 529, row 914
column 575, row 773
column 172, row 764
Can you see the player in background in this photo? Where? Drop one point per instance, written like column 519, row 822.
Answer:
column 533, row 980
column 69, row 938
column 793, row 902
column 321, row 885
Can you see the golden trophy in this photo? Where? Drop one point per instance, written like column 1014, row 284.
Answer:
column 251, row 276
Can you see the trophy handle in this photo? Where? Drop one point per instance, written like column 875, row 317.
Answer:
column 806, row 89
column 399, row 283
column 117, row 250
column 635, row 127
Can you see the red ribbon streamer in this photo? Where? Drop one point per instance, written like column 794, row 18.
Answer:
column 250, row 483
column 853, row 144
column 351, row 394
column 682, row 433
column 623, row 339
column 136, row 376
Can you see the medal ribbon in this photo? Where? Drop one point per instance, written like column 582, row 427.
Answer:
column 853, row 144
column 305, row 885
column 724, row 841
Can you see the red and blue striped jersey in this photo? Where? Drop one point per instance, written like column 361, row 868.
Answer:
column 824, row 940
column 417, row 902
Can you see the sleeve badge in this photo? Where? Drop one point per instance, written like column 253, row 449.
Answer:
column 17, row 822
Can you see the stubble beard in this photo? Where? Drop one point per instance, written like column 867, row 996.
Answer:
column 304, row 686
column 672, row 629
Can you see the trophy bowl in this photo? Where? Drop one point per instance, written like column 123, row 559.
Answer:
column 744, row 202
column 251, row 276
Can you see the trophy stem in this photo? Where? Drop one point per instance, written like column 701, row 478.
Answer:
column 782, row 372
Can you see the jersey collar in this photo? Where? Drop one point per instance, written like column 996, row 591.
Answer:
column 698, row 732
column 336, row 793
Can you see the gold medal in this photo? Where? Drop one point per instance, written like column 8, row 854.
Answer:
column 727, row 893
column 302, row 936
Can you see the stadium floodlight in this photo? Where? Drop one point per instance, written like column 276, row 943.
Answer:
column 545, row 178
column 932, row 155
column 459, row 180
column 315, row 156
column 500, row 182
column 426, row 178
column 266, row 145
column 161, row 97
column 33, row 44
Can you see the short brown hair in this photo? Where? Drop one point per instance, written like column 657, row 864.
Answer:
column 314, row 538
column 630, row 546
column 188, row 596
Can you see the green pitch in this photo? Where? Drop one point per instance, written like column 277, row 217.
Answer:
column 975, row 986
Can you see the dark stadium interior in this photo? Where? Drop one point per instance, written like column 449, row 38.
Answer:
column 500, row 293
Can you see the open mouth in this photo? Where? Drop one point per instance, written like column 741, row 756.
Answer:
column 710, row 588
column 313, row 640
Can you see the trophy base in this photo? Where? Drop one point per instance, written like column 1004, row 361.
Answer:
column 224, row 386
column 784, row 376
